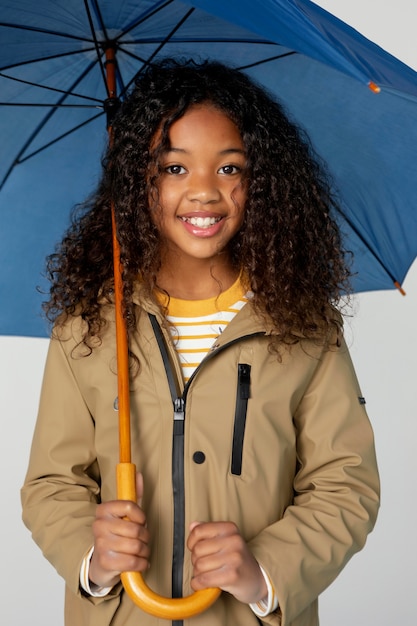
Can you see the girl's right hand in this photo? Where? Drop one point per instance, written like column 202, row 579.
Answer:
column 121, row 540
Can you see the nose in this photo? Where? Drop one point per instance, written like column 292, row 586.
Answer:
column 203, row 188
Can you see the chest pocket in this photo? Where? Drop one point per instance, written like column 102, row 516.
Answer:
column 242, row 397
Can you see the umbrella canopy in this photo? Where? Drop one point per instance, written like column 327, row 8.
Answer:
column 358, row 104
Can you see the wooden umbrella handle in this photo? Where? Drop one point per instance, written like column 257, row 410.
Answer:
column 135, row 586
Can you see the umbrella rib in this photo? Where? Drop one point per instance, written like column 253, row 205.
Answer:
column 145, row 17
column 18, row 161
column 242, row 67
column 57, row 139
column 96, row 44
column 170, row 34
column 114, row 44
column 274, row 58
column 161, row 45
column 44, row 31
column 202, row 40
column 46, row 58
column 41, row 125
column 132, row 55
column 369, row 247
column 100, row 19
column 47, row 88
column 48, row 105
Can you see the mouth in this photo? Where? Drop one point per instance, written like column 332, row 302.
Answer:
column 201, row 222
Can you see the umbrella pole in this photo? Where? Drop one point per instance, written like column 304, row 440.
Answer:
column 126, row 471
column 133, row 582
column 122, row 355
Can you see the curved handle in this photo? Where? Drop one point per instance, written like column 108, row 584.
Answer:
column 167, row 608
column 135, row 586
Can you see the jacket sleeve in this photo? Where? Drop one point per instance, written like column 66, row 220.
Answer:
column 336, row 490
column 61, row 488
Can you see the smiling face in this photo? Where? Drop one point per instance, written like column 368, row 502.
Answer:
column 200, row 191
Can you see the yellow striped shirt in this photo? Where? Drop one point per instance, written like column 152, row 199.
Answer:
column 195, row 324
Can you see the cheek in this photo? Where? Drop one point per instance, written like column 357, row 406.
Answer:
column 168, row 197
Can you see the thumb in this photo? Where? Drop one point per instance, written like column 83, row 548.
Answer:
column 139, row 487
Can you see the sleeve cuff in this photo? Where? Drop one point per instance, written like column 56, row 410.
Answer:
column 93, row 590
column 268, row 604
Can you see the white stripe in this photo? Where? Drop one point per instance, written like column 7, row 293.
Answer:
column 193, row 337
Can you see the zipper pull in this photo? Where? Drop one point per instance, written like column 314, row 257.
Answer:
column 244, row 380
column 179, row 416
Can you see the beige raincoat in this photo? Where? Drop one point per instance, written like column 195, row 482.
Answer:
column 285, row 450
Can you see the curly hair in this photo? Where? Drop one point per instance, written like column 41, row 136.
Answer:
column 289, row 245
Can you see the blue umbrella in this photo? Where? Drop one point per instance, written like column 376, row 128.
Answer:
column 358, row 104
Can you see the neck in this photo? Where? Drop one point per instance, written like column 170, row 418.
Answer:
column 198, row 279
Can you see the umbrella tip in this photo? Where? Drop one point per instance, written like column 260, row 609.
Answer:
column 374, row 87
column 400, row 289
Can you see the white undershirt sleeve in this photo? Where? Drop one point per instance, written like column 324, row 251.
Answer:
column 268, row 604
column 93, row 590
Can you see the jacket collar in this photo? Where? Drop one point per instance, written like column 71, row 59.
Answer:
column 245, row 323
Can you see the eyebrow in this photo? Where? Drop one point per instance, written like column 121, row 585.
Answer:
column 222, row 152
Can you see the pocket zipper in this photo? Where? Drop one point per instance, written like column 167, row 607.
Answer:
column 242, row 397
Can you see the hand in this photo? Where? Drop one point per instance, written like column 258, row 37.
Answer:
column 221, row 558
column 121, row 540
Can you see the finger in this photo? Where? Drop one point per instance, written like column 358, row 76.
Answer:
column 119, row 509
column 125, row 539
column 139, row 488
column 235, row 571
column 218, row 552
column 107, row 563
column 204, row 531
column 192, row 538
column 124, row 528
column 119, row 514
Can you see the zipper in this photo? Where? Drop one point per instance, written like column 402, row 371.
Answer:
column 179, row 500
column 242, row 397
column 178, row 488
column 177, row 468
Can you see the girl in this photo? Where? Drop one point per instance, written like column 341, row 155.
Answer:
column 265, row 484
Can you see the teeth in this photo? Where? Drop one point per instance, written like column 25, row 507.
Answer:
column 202, row 222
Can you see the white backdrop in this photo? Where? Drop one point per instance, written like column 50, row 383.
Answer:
column 378, row 587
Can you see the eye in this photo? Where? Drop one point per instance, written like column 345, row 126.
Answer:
column 229, row 169
column 175, row 170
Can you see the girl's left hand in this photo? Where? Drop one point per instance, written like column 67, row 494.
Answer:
column 221, row 558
